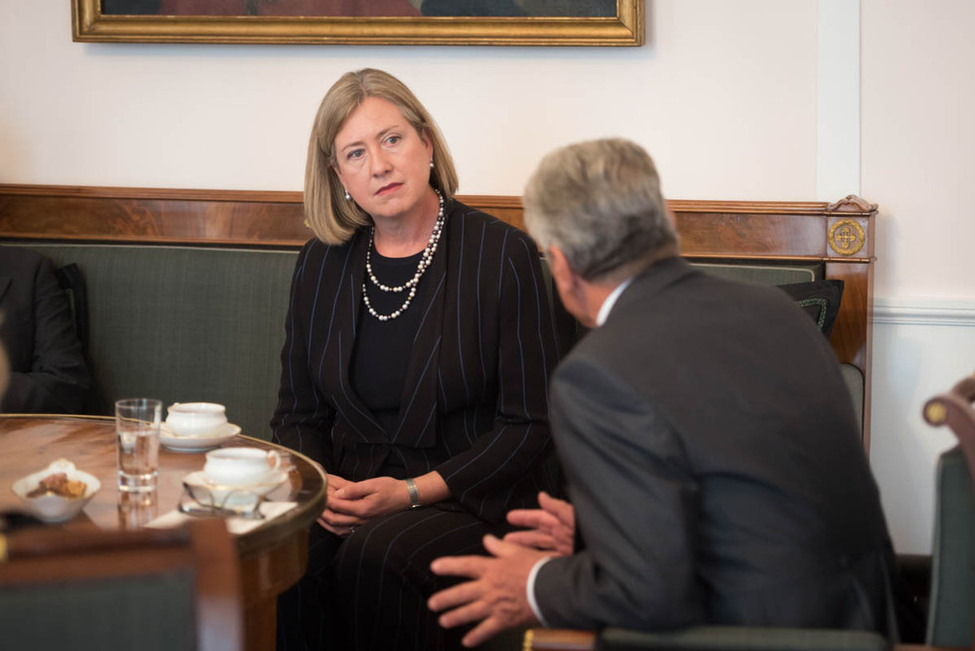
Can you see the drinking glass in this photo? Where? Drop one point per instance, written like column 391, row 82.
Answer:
column 135, row 510
column 137, row 423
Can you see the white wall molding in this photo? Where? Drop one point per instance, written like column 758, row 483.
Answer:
column 925, row 312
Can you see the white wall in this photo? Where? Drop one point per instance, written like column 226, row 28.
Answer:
column 724, row 97
column 918, row 140
column 735, row 100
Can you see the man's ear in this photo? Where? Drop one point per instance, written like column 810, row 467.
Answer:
column 561, row 271
column 570, row 286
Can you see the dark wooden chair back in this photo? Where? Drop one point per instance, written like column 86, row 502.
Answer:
column 951, row 610
column 954, row 409
column 83, row 588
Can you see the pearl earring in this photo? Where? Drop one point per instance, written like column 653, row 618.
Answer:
column 431, row 164
column 347, row 197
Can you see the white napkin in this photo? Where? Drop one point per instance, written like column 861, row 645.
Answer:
column 235, row 525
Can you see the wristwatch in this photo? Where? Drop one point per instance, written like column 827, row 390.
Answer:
column 414, row 493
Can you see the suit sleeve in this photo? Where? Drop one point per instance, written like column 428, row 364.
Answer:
column 302, row 420
column 57, row 377
column 636, row 506
column 520, row 437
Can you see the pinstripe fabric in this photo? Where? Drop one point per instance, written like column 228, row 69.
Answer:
column 474, row 407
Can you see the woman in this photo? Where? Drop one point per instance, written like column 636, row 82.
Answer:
column 415, row 370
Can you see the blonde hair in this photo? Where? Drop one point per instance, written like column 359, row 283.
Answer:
column 331, row 217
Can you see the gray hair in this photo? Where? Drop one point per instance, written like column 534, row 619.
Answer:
column 600, row 203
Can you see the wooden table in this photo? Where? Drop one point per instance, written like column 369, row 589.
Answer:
column 272, row 557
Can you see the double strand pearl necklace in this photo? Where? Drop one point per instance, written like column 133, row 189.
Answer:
column 410, row 284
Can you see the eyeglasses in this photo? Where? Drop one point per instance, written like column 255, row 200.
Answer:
column 200, row 500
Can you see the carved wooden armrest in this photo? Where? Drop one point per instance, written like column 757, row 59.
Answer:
column 954, row 409
column 555, row 639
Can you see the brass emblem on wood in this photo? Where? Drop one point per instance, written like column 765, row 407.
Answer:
column 846, row 237
column 935, row 412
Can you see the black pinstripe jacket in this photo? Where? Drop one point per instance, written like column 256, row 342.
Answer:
column 474, row 405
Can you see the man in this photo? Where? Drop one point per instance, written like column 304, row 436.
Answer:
column 47, row 369
column 711, row 450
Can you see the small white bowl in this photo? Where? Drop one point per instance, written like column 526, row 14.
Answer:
column 195, row 418
column 54, row 508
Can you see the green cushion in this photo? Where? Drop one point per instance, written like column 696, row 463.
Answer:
column 741, row 638
column 762, row 274
column 184, row 324
column 820, row 299
column 952, row 599
column 853, row 378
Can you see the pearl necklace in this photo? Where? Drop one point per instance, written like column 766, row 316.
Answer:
column 412, row 283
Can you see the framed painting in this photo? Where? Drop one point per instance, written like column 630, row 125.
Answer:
column 362, row 22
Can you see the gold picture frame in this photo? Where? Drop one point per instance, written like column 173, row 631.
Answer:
column 626, row 28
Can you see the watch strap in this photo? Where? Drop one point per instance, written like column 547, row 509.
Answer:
column 414, row 493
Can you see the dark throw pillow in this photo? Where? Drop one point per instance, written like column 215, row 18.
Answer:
column 820, row 299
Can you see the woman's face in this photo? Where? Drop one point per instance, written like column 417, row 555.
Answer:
column 383, row 162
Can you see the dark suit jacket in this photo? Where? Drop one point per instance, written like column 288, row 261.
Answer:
column 716, row 468
column 37, row 330
column 474, row 405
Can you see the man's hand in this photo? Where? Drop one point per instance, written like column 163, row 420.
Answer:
column 495, row 596
column 551, row 528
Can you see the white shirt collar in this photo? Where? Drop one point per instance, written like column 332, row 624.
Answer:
column 610, row 301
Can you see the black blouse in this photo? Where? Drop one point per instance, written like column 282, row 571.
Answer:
column 382, row 349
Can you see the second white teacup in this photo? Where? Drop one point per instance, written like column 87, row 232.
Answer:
column 240, row 466
column 195, row 418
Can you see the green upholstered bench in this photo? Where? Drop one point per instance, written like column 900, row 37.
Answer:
column 187, row 323
column 183, row 323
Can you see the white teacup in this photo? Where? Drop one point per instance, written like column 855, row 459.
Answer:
column 240, row 466
column 195, row 418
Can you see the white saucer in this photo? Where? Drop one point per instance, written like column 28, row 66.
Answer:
column 232, row 496
column 180, row 443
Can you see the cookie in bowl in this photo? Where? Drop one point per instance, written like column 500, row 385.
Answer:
column 58, row 492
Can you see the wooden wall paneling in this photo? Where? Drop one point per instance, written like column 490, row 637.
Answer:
column 252, row 219
column 852, row 338
column 751, row 235
column 244, row 218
